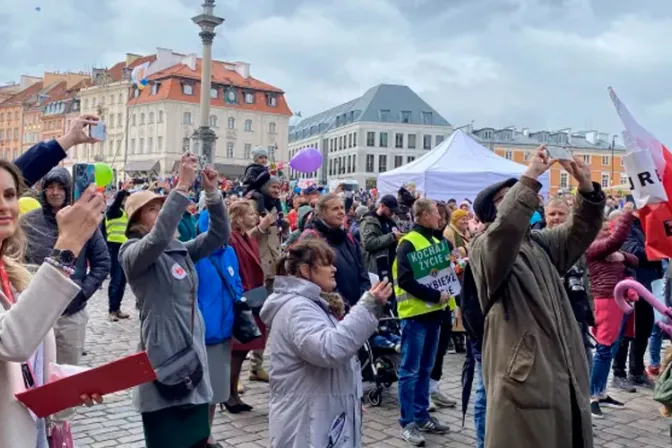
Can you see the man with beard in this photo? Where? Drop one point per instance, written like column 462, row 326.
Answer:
column 379, row 236
column 91, row 267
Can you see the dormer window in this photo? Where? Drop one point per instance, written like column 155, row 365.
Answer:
column 271, row 100
column 248, row 97
column 155, row 88
column 231, row 95
column 487, row 134
column 187, row 89
column 214, row 93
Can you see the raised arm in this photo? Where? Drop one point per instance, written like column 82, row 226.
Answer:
column 605, row 246
column 216, row 232
column 137, row 255
column 322, row 344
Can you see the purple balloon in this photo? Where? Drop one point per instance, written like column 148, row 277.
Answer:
column 307, row 160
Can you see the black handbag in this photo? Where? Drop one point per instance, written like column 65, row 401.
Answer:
column 245, row 328
column 179, row 375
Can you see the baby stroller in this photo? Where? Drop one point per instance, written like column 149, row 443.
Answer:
column 379, row 358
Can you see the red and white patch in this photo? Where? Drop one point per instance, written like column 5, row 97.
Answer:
column 178, row 271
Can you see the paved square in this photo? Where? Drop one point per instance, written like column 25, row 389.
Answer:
column 116, row 424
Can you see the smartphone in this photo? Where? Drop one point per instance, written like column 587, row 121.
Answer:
column 382, row 266
column 83, row 175
column 98, row 131
column 558, row 152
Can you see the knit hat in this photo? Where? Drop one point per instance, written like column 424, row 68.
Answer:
column 361, row 211
column 457, row 215
column 484, row 205
column 271, row 180
column 257, row 152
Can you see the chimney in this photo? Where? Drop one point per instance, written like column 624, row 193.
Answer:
column 131, row 58
column 243, row 69
column 591, row 137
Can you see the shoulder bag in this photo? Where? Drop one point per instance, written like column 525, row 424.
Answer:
column 178, row 376
column 245, row 328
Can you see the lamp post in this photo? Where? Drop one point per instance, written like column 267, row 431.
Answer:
column 204, row 137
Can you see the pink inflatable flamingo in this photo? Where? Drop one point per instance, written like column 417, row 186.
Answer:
column 621, row 290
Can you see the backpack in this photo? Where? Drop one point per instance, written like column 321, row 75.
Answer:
column 473, row 318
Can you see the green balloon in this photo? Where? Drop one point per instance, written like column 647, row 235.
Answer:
column 104, row 174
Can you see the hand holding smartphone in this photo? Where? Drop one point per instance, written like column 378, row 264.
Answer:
column 98, row 131
column 83, row 175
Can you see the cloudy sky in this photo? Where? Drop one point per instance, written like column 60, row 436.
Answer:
column 529, row 63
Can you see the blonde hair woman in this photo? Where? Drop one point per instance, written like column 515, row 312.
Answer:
column 29, row 306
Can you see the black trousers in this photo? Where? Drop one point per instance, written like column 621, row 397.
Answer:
column 444, row 342
column 115, row 292
column 644, row 320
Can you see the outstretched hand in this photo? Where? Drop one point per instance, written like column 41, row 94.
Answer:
column 381, row 291
column 539, row 163
column 580, row 171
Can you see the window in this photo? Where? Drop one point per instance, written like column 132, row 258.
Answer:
column 383, row 140
column 398, row 161
column 248, row 151
column 331, row 167
column 370, row 140
column 349, row 140
column 340, row 142
column 150, row 119
column 508, row 155
column 382, row 163
column 213, row 121
column 160, row 120
column 111, row 99
column 213, row 93
column 110, row 146
column 248, row 97
column 185, row 144
column 349, row 169
column 586, row 159
column 248, row 125
column 231, row 95
column 410, row 159
column 526, row 155
column 121, row 99
column 427, row 118
column 604, row 180
column 142, row 118
column 159, row 144
column 141, row 145
column 232, row 123
column 606, row 160
column 427, row 142
column 354, row 139
column 118, row 147
column 187, row 89
column 564, row 180
column 369, row 163
column 111, row 122
column 133, row 120
column 411, row 141
column 186, row 118
column 406, row 116
column 119, row 121
column 384, row 115
column 624, row 179
column 439, row 139
column 155, row 88
column 398, row 140
column 150, row 144
column 102, row 100
column 229, row 150
column 354, row 163
column 271, row 128
column 271, row 99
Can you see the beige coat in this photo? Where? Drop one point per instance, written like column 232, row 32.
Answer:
column 22, row 329
column 269, row 249
column 533, row 354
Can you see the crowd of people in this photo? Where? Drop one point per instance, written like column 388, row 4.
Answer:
column 318, row 275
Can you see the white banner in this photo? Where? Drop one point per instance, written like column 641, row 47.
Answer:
column 647, row 187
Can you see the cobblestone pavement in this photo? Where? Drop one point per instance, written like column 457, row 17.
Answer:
column 116, row 424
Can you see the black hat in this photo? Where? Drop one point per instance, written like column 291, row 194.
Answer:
column 390, row 202
column 484, row 205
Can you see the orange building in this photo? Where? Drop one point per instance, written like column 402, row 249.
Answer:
column 11, row 121
column 599, row 150
column 58, row 112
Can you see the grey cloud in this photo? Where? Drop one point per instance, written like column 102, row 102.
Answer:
column 533, row 63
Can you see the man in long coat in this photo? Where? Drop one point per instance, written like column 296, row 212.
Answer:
column 534, row 363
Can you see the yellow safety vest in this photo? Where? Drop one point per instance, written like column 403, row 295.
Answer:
column 407, row 305
column 116, row 229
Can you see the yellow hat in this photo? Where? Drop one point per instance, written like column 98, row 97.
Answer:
column 457, row 215
column 28, row 204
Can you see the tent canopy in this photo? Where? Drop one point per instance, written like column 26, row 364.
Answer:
column 459, row 168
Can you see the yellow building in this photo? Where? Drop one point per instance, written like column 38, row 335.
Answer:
column 599, row 150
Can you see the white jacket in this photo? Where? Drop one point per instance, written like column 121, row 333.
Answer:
column 22, row 328
column 315, row 378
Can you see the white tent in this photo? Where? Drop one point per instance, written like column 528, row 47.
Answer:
column 459, row 168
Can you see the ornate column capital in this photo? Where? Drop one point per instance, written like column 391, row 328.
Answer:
column 207, row 37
